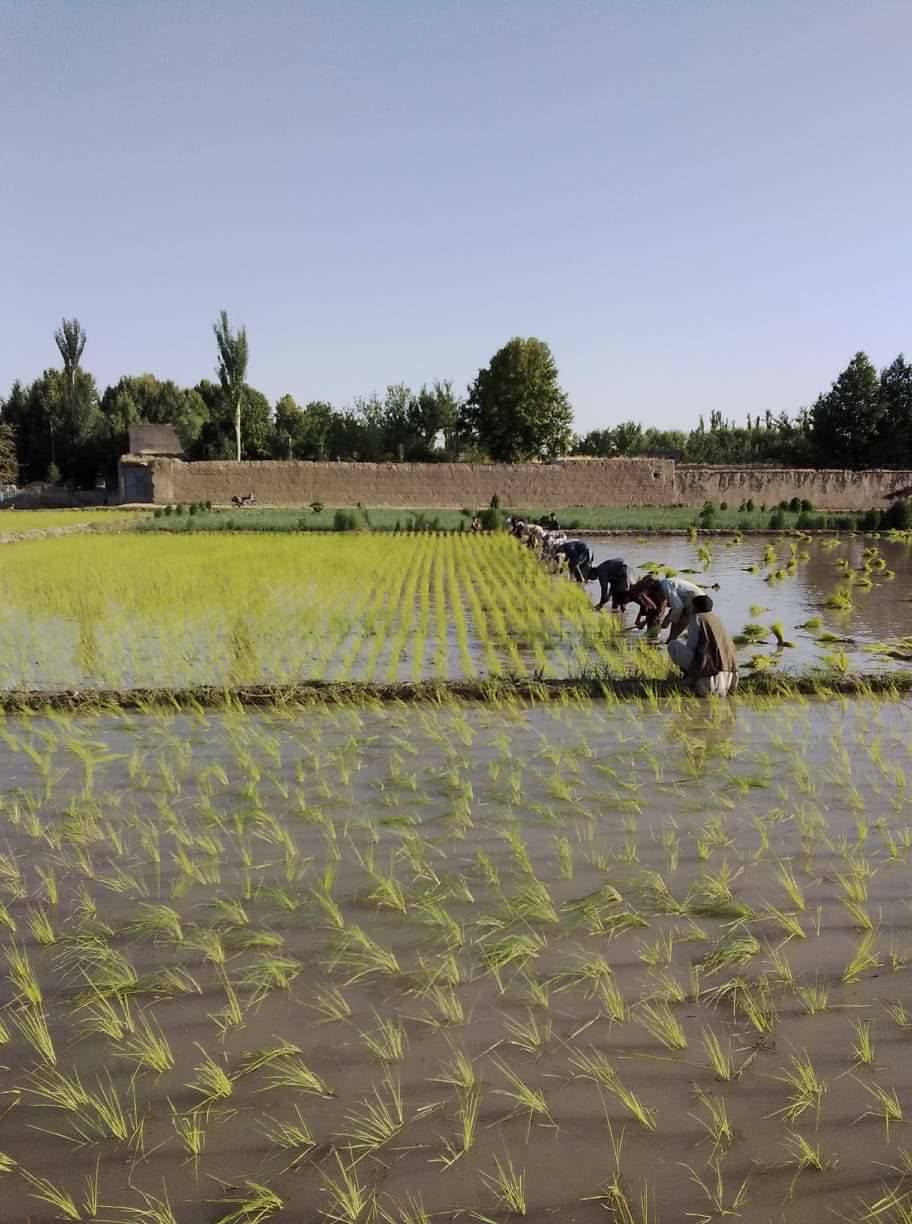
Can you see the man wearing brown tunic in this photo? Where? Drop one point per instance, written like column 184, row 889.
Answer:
column 707, row 658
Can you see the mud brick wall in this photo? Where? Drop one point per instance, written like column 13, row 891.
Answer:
column 824, row 489
column 572, row 482
column 603, row 482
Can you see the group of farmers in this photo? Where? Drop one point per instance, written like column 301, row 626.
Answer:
column 698, row 643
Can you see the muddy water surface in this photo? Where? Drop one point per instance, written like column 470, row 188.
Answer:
column 333, row 907
column 881, row 613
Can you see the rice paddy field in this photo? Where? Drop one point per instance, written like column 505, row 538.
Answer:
column 135, row 610
column 354, row 961
column 586, row 961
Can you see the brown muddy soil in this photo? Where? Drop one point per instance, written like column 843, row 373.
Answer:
column 530, row 887
column 492, row 689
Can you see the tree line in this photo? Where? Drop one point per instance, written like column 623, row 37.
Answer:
column 61, row 427
column 863, row 421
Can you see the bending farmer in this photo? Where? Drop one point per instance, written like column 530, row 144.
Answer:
column 615, row 577
column 579, row 558
column 647, row 595
column 707, row 658
column 679, row 595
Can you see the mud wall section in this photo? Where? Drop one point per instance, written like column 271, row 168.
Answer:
column 592, row 482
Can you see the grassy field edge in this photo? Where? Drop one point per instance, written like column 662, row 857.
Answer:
column 586, row 520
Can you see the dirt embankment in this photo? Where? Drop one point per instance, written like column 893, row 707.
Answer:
column 492, row 690
column 49, row 533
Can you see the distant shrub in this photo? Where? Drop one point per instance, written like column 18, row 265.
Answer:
column 168, row 510
column 806, row 505
column 783, row 505
column 810, row 522
column 795, row 505
column 158, row 514
column 178, row 509
column 723, row 505
column 208, row 505
column 490, row 518
column 870, row 520
column 898, row 517
column 466, row 513
column 749, row 505
column 316, row 507
column 844, row 522
column 345, row 520
column 777, row 520
column 495, row 502
column 193, row 509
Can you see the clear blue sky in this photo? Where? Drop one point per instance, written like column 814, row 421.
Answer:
column 699, row 205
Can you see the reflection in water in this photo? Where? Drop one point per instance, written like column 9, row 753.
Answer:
column 880, row 613
column 706, row 728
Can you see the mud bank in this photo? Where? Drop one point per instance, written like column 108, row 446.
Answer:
column 595, row 687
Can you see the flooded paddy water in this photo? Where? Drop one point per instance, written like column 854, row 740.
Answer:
column 457, row 961
column 875, row 572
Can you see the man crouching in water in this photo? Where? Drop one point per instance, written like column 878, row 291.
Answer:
column 707, row 658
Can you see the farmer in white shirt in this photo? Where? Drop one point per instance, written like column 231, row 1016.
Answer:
column 678, row 594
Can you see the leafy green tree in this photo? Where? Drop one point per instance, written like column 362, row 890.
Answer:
column 628, row 438
column 67, row 403
column 516, row 408
column 302, row 433
column 846, row 421
column 218, row 436
column 350, row 437
column 57, row 425
column 14, row 413
column 318, row 423
column 894, row 444
column 397, row 430
column 364, row 430
column 596, row 444
column 232, row 368
column 288, row 425
column 70, row 338
column 9, row 464
column 433, row 414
